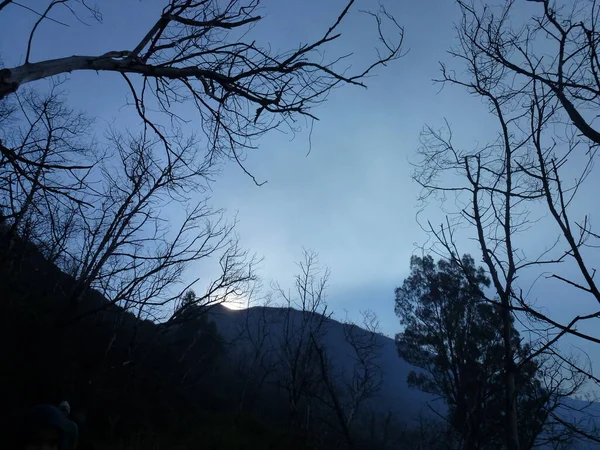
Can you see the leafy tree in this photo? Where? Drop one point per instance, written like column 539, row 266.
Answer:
column 455, row 338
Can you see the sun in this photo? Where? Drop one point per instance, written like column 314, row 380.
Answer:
column 236, row 302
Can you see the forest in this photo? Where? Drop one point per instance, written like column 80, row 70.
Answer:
column 179, row 284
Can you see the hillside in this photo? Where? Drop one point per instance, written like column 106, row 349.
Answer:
column 220, row 377
column 395, row 396
column 135, row 382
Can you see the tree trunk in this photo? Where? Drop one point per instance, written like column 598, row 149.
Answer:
column 512, row 434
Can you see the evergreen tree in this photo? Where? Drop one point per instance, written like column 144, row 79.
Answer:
column 455, row 338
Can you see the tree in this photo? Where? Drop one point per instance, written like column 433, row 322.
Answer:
column 98, row 215
column 286, row 348
column 194, row 53
column 456, row 340
column 566, row 70
column 43, row 176
column 97, row 206
column 527, row 177
column 346, row 393
column 98, row 209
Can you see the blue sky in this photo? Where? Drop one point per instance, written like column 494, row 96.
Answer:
column 351, row 199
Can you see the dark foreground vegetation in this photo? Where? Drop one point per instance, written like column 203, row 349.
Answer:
column 135, row 383
column 132, row 383
column 181, row 383
column 121, row 374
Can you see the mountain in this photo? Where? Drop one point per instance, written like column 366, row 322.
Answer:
column 242, row 327
column 395, row 395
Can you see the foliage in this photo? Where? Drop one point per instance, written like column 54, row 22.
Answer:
column 455, row 338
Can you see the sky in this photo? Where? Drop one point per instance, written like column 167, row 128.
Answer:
column 351, row 198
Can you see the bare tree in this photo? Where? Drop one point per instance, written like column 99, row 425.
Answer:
column 196, row 52
column 504, row 188
column 126, row 249
column 366, row 378
column 556, row 48
column 45, row 161
column 304, row 316
column 485, row 208
column 281, row 346
column 110, row 234
column 99, row 217
column 346, row 393
column 324, row 390
column 554, row 94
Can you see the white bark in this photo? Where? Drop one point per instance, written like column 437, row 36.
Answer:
column 12, row 78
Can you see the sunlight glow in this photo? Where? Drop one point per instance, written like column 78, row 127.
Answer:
column 236, row 302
